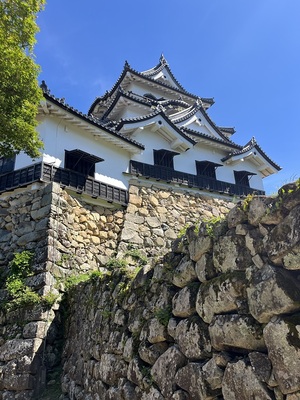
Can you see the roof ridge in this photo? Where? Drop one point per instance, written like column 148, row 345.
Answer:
column 227, row 142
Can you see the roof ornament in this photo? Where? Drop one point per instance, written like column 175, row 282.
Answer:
column 44, row 87
column 198, row 102
column 163, row 60
column 127, row 65
column 159, row 107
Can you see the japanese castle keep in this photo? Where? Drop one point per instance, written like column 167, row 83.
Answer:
column 147, row 126
column 131, row 268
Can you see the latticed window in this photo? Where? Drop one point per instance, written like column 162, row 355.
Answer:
column 7, row 164
column 82, row 162
column 207, row 168
column 164, row 158
column 242, row 177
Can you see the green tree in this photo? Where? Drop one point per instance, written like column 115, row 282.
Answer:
column 20, row 93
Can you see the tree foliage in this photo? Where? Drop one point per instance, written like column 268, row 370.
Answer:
column 20, row 94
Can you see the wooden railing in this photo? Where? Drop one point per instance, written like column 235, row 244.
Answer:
column 66, row 178
column 200, row 182
column 85, row 184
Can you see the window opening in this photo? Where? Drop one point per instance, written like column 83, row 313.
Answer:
column 243, row 177
column 82, row 162
column 164, row 158
column 207, row 168
column 7, row 164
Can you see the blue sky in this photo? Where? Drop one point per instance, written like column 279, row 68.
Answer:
column 243, row 53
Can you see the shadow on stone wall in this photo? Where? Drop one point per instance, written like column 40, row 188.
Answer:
column 214, row 313
column 216, row 318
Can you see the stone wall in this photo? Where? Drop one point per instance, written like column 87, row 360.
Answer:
column 156, row 215
column 218, row 317
column 69, row 235
column 24, row 218
column 214, row 314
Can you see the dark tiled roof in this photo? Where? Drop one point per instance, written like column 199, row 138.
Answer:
column 158, row 68
column 128, row 95
column 189, row 114
column 249, row 146
column 163, row 63
column 196, row 134
column 231, row 131
column 198, row 107
column 126, row 69
column 90, row 119
column 122, row 122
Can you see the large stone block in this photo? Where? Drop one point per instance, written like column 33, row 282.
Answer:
column 18, row 382
column 258, row 207
column 238, row 333
column 236, row 216
column 154, row 331
column 199, row 246
column 241, row 383
column 152, row 394
column 230, row 253
column 292, row 259
column 192, row 378
column 284, row 237
column 134, row 372
column 164, row 370
column 184, row 273
column 204, row 268
column 261, row 365
column 192, row 337
column 184, row 301
column 17, row 348
column 225, row 293
column 282, row 338
column 35, row 329
column 272, row 291
column 150, row 353
column 112, row 368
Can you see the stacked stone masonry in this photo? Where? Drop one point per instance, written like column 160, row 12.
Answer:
column 215, row 313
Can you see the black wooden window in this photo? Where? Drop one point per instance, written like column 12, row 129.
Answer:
column 207, row 168
column 164, row 158
column 242, row 177
column 82, row 162
column 7, row 164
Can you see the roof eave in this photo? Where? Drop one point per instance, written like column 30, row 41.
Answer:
column 89, row 124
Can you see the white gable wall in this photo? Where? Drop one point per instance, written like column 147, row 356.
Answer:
column 140, row 89
column 151, row 140
column 200, row 124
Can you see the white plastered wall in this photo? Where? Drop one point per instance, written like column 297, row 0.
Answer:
column 186, row 161
column 59, row 135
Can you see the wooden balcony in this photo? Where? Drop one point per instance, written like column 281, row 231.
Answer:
column 169, row 175
column 69, row 179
